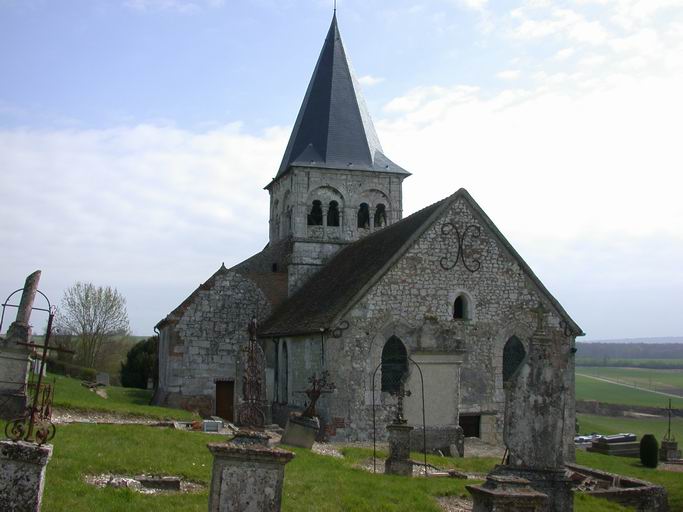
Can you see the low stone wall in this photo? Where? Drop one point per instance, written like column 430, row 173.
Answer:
column 638, row 494
column 438, row 439
column 604, row 409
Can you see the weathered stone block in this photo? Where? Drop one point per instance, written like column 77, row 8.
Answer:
column 399, row 462
column 247, row 478
column 22, row 475
column 301, row 431
column 506, row 494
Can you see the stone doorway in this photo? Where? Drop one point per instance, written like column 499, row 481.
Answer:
column 225, row 400
column 471, row 425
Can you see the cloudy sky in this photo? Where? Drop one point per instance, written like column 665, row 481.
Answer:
column 136, row 137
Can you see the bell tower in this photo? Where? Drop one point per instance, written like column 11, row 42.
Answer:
column 334, row 185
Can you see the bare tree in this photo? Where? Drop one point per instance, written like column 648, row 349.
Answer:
column 92, row 314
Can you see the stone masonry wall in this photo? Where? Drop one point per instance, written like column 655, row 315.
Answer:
column 203, row 346
column 414, row 301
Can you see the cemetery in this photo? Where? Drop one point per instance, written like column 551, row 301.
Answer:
column 76, row 459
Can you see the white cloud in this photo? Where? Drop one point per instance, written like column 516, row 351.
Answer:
column 183, row 6
column 509, row 74
column 564, row 53
column 369, row 80
column 474, row 4
column 140, row 207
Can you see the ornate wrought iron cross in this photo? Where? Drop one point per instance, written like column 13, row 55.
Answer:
column 400, row 393
column 250, row 412
column 318, row 387
column 35, row 425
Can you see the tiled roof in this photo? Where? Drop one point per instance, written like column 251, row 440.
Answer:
column 316, row 304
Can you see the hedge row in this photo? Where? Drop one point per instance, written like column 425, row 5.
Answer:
column 71, row 370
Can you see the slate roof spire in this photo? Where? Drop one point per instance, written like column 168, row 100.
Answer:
column 333, row 128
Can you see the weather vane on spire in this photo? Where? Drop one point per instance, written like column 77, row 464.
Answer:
column 335, row 6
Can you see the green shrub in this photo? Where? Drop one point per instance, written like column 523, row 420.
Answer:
column 649, row 451
column 141, row 364
column 71, row 370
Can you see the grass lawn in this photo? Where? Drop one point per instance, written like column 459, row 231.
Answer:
column 669, row 381
column 69, row 393
column 312, row 483
column 591, row 389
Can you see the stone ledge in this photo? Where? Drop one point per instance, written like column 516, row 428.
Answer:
column 250, row 452
column 21, row 451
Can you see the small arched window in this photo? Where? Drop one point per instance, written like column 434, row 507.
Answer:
column 460, row 308
column 364, row 216
column 315, row 218
column 380, row 216
column 394, row 365
column 513, row 355
column 333, row 214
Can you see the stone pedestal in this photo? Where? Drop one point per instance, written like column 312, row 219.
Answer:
column 301, row 431
column 247, row 478
column 669, row 451
column 22, row 475
column 14, row 364
column 399, row 462
column 507, row 494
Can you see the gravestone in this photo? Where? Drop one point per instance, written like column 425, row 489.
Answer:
column 22, row 475
column 534, row 424
column 247, row 477
column 102, row 378
column 14, row 357
column 399, row 462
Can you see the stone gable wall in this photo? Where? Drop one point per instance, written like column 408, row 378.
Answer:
column 414, row 300
column 203, row 346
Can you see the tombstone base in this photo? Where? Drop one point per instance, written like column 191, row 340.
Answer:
column 22, row 475
column 551, row 482
column 669, row 451
column 14, row 364
column 506, row 494
column 301, row 431
column 247, row 477
column 399, row 462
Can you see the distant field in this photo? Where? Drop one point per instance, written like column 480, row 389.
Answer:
column 668, row 381
column 590, row 389
column 636, row 363
column 589, row 423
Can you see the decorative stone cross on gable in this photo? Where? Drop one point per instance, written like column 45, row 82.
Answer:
column 540, row 312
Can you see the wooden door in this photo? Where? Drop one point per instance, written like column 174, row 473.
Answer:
column 225, row 399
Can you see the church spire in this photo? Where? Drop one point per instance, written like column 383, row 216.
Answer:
column 333, row 129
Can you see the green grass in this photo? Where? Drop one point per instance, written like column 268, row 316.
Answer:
column 70, row 394
column 591, row 389
column 312, row 482
column 668, row 381
column 589, row 423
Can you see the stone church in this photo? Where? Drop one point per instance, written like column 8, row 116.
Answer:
column 347, row 285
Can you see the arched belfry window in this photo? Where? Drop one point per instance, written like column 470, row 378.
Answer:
column 315, row 218
column 364, row 215
column 380, row 216
column 333, row 214
column 394, row 364
column 460, row 308
column 513, row 355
